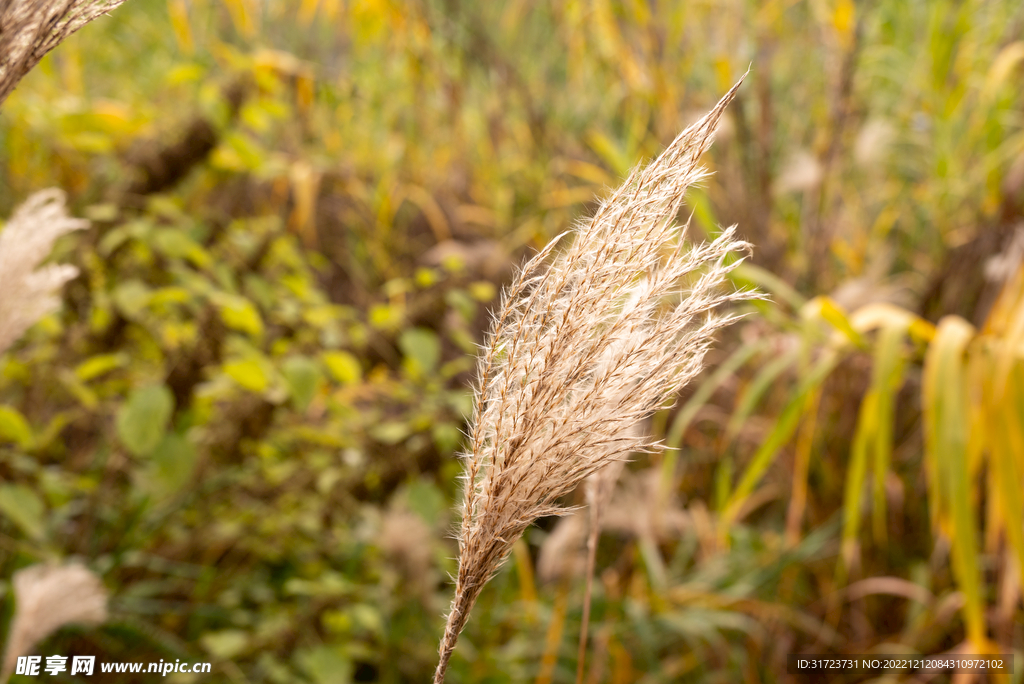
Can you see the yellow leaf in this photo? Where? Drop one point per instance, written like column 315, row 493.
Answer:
column 180, row 24
column 831, row 312
column 249, row 374
column 998, row 73
column 239, row 314
column 14, row 427
column 843, row 17
column 343, row 366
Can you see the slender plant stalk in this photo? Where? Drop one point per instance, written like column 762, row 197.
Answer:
column 592, row 537
column 599, row 487
column 580, row 351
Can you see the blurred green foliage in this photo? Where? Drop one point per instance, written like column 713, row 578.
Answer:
column 245, row 416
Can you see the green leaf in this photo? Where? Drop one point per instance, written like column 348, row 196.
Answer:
column 238, row 153
column 226, row 644
column 832, row 313
column 143, row 419
column 343, row 366
column 425, row 500
column 176, row 243
column 1008, row 456
column 390, row 432
column 130, row 298
column 421, row 348
column 326, row 665
column 98, row 365
column 24, row 508
column 303, row 376
column 78, row 389
column 14, row 427
column 447, row 437
column 170, row 466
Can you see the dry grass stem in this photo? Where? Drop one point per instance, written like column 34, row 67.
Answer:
column 598, row 491
column 27, row 291
column 31, row 28
column 47, row 597
column 581, row 351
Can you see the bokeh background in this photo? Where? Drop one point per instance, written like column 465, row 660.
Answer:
column 245, row 417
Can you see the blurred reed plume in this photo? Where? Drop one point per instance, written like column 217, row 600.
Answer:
column 31, row 28
column 583, row 349
column 47, row 597
column 27, row 291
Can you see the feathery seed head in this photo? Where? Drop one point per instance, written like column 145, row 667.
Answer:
column 583, row 349
column 47, row 597
column 27, row 291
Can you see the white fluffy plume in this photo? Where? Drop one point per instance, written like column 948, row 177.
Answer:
column 27, row 292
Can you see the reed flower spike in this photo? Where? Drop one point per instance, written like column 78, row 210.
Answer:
column 583, row 349
column 28, row 291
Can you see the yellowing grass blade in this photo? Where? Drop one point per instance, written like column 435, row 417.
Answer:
column 836, row 317
column 882, row 314
column 945, row 403
column 886, row 382
column 873, row 437
column 1005, row 324
column 178, row 10
column 1006, row 425
column 856, row 474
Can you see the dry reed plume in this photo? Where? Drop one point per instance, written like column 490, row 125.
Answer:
column 27, row 292
column 31, row 28
column 47, row 597
column 582, row 350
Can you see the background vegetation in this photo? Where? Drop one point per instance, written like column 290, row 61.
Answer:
column 245, row 417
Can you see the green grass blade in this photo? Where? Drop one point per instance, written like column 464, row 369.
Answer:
column 764, row 379
column 780, row 434
column 886, row 381
column 707, row 388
